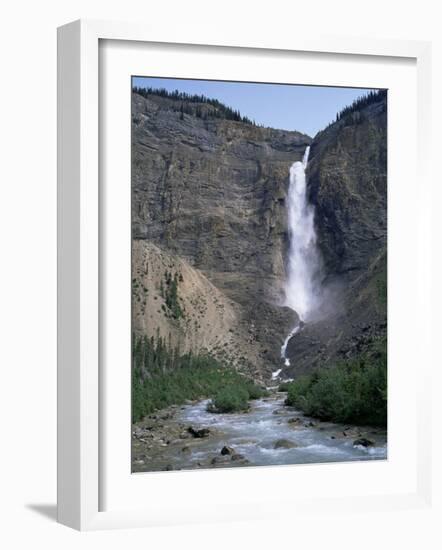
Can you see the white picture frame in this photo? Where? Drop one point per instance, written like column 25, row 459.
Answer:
column 81, row 464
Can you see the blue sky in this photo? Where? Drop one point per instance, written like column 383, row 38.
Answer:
column 307, row 109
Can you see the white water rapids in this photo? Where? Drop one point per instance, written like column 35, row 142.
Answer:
column 301, row 288
column 254, row 434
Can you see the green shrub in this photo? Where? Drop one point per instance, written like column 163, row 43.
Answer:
column 353, row 391
column 230, row 399
column 171, row 295
column 235, row 398
column 255, row 391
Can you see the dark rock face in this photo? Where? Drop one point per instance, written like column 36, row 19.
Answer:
column 347, row 177
column 213, row 193
column 347, row 181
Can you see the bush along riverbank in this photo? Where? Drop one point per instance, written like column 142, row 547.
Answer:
column 162, row 377
column 353, row 391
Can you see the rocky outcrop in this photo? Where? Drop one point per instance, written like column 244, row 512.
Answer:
column 174, row 301
column 347, row 177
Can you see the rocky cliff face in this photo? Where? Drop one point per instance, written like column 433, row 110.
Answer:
column 209, row 212
column 212, row 192
column 347, row 179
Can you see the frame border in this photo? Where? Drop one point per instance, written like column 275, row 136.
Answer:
column 78, row 475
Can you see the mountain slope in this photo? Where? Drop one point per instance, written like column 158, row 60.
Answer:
column 176, row 302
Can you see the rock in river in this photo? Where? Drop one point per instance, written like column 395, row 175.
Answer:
column 227, row 450
column 284, row 444
column 363, row 442
column 203, row 432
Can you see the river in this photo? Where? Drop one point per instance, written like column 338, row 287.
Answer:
column 255, row 434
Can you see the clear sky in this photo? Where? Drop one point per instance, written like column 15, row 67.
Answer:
column 307, row 109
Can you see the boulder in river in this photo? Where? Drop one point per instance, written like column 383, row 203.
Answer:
column 228, row 450
column 203, row 432
column 284, row 444
column 363, row 442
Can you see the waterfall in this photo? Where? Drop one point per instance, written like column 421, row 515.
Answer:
column 294, row 331
column 301, row 288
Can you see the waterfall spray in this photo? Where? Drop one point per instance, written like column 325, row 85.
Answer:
column 301, row 288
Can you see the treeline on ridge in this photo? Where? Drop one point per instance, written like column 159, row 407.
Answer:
column 353, row 113
column 194, row 104
column 361, row 102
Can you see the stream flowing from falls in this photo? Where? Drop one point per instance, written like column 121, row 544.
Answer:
column 255, row 434
column 301, row 287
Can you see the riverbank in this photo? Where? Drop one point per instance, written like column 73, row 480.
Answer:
column 189, row 437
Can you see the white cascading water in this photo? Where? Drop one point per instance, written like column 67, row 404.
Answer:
column 295, row 330
column 301, row 288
